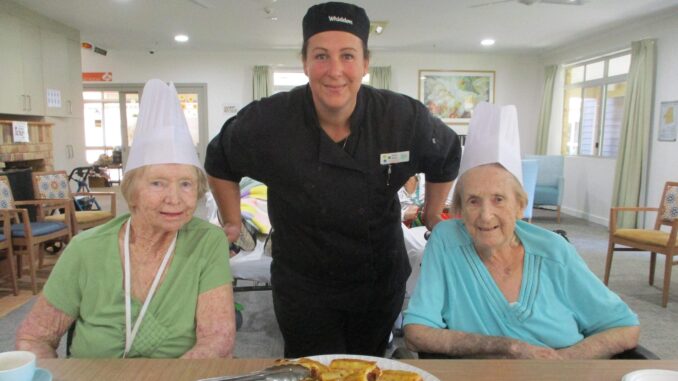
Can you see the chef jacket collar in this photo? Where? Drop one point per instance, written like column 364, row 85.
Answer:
column 329, row 151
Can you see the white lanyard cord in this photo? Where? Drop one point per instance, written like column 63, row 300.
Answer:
column 131, row 332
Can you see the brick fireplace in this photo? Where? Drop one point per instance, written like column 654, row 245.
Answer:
column 37, row 154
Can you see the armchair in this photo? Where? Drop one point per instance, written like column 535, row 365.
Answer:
column 54, row 184
column 656, row 240
column 530, row 172
column 550, row 181
column 30, row 237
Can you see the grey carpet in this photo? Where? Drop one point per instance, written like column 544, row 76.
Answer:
column 260, row 337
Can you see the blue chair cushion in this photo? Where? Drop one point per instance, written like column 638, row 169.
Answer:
column 544, row 195
column 38, row 228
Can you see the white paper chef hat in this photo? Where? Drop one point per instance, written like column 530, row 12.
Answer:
column 493, row 137
column 161, row 135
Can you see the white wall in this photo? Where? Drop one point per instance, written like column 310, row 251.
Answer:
column 228, row 76
column 518, row 81
column 588, row 180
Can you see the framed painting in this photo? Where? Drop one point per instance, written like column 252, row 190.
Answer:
column 451, row 95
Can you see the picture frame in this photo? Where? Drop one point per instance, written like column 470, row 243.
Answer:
column 451, row 95
column 668, row 121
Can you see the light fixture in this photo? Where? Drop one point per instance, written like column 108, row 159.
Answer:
column 181, row 38
column 378, row 27
column 487, row 42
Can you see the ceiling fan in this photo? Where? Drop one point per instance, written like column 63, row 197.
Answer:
column 530, row 2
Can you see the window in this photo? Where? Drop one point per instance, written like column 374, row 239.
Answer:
column 102, row 123
column 287, row 79
column 594, row 105
column 111, row 113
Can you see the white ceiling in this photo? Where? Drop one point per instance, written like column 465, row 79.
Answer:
column 413, row 25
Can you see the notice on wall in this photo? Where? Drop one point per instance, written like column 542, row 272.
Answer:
column 668, row 121
column 53, row 98
column 20, row 132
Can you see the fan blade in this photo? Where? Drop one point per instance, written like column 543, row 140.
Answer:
column 489, row 3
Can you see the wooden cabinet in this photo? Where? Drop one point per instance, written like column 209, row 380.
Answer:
column 55, row 72
column 20, row 67
column 74, row 94
column 39, row 58
column 61, row 68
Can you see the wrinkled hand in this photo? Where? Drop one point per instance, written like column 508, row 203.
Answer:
column 232, row 231
column 522, row 350
column 410, row 213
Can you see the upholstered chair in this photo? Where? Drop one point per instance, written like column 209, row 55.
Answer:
column 55, row 184
column 30, row 237
column 550, row 181
column 655, row 240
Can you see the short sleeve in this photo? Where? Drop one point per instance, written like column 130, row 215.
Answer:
column 441, row 152
column 216, row 269
column 63, row 288
column 428, row 300
column 595, row 306
column 222, row 153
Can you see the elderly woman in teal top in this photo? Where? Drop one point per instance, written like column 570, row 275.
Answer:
column 492, row 285
column 154, row 283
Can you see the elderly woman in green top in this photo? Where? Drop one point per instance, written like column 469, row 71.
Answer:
column 155, row 283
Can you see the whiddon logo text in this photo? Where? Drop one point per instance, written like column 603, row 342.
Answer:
column 340, row 19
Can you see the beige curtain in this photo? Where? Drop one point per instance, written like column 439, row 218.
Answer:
column 262, row 83
column 632, row 158
column 380, row 77
column 545, row 113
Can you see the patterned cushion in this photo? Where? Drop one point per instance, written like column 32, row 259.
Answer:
column 53, row 185
column 6, row 199
column 670, row 204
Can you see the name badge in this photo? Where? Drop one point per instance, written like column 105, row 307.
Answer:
column 394, row 157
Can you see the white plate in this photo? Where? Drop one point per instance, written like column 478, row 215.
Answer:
column 381, row 363
column 651, row 375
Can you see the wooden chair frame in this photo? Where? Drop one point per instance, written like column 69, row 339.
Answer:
column 6, row 245
column 33, row 245
column 78, row 224
column 669, row 250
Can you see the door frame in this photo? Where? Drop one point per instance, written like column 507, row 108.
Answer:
column 198, row 88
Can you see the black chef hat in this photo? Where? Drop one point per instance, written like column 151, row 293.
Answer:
column 336, row 16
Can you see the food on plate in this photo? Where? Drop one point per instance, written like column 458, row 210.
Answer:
column 347, row 369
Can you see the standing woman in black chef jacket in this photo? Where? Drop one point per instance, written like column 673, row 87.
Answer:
column 334, row 154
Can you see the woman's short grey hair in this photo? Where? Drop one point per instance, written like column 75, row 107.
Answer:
column 517, row 189
column 128, row 185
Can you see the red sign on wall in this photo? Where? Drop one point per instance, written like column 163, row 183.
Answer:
column 104, row 76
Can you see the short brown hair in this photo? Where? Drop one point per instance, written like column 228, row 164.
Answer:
column 518, row 191
column 128, row 188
